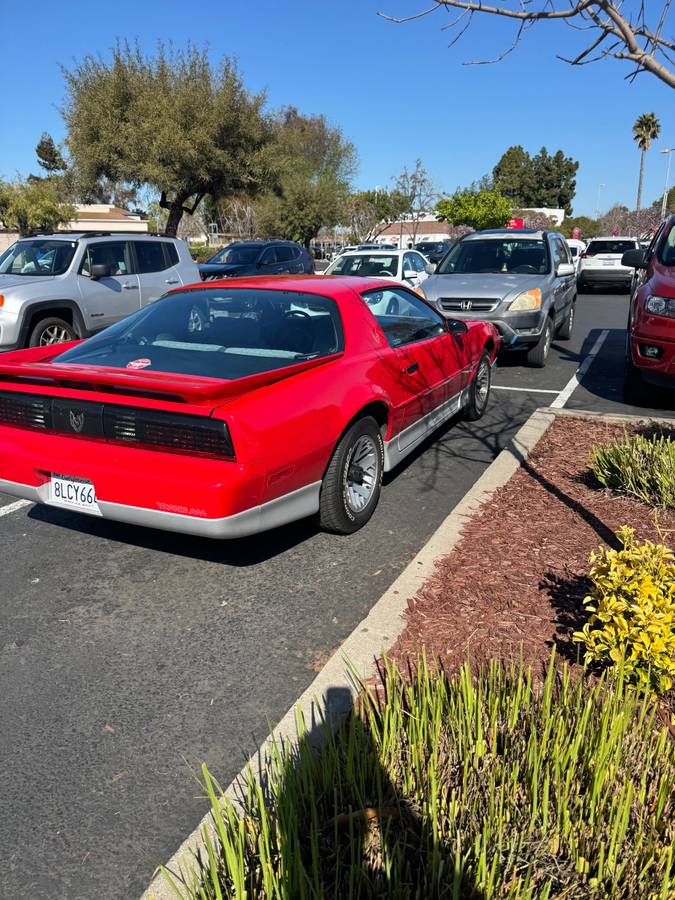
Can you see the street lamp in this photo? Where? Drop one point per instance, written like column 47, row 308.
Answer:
column 668, row 151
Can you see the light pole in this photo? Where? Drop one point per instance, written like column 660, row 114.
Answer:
column 601, row 185
column 668, row 151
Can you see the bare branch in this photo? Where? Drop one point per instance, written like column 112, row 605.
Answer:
column 634, row 40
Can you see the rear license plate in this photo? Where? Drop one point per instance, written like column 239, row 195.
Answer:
column 74, row 493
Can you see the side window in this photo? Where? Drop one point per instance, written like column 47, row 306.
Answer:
column 559, row 252
column 667, row 248
column 269, row 257
column 409, row 263
column 149, row 256
column 655, row 240
column 284, row 253
column 403, row 317
column 419, row 262
column 171, row 253
column 114, row 254
column 297, row 252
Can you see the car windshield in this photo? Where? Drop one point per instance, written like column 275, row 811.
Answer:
column 368, row 264
column 217, row 333
column 239, row 256
column 616, row 247
column 37, row 257
column 496, row 256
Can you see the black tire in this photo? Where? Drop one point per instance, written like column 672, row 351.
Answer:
column 565, row 330
column 51, row 331
column 633, row 385
column 337, row 510
column 479, row 396
column 537, row 355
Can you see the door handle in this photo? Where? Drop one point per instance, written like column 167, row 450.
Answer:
column 130, row 287
column 172, row 281
column 412, row 368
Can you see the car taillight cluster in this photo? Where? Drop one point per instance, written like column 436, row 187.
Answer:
column 149, row 428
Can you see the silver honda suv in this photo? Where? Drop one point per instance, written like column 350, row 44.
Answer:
column 62, row 286
column 521, row 280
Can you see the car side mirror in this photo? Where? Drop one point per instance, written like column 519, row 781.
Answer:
column 410, row 274
column 635, row 259
column 456, row 326
column 565, row 269
column 430, row 268
column 99, row 270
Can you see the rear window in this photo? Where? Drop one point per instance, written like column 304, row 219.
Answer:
column 218, row 333
column 617, row 247
column 149, row 256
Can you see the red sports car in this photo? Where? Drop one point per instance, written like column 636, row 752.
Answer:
column 650, row 347
column 230, row 407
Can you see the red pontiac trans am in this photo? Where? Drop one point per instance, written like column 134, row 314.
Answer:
column 230, row 407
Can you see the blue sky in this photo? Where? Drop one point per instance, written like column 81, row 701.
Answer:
column 397, row 91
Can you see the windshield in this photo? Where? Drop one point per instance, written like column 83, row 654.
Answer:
column 617, row 247
column 428, row 246
column 496, row 256
column 367, row 264
column 238, row 256
column 37, row 257
column 217, row 333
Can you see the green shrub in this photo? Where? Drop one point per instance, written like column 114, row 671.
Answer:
column 202, row 253
column 465, row 788
column 640, row 466
column 633, row 611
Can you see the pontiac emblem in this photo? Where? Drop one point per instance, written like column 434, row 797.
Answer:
column 76, row 420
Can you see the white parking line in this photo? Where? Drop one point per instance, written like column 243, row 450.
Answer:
column 575, row 380
column 503, row 387
column 13, row 507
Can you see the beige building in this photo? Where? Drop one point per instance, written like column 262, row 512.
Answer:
column 93, row 217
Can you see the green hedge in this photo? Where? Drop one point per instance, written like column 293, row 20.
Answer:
column 202, row 253
column 471, row 787
column 639, row 466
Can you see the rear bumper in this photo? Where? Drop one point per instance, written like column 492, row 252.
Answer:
column 296, row 505
column 186, row 494
column 609, row 275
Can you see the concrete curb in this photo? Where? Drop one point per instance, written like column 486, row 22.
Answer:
column 384, row 623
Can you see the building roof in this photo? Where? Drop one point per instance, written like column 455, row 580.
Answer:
column 424, row 227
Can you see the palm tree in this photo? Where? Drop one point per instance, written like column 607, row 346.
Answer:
column 645, row 130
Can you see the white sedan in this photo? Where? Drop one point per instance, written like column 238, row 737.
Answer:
column 405, row 266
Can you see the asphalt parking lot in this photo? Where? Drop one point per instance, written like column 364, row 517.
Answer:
column 128, row 657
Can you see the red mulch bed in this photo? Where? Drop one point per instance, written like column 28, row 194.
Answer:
column 517, row 577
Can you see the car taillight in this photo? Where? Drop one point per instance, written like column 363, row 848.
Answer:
column 175, row 432
column 586, row 254
column 25, row 410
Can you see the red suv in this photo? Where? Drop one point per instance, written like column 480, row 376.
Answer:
column 650, row 346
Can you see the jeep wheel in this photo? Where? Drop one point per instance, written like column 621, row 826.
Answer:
column 51, row 331
column 351, row 486
column 538, row 355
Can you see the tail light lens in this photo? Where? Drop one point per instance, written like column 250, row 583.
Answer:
column 148, row 428
column 175, row 432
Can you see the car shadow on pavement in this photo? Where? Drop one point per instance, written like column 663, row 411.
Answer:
column 238, row 552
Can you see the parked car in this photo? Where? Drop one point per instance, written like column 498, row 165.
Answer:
column 433, row 250
column 57, row 287
column 293, row 398
column 576, row 248
column 601, row 263
column 405, row 266
column 258, row 258
column 650, row 343
column 521, row 280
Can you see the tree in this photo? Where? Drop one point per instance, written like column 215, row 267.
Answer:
column 587, row 226
column 49, row 156
column 418, row 189
column 33, row 205
column 646, row 129
column 371, row 212
column 611, row 30
column 307, row 166
column 172, row 122
column 485, row 209
column 670, row 201
column 543, row 180
column 641, row 223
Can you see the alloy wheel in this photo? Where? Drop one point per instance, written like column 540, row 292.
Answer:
column 54, row 334
column 361, row 473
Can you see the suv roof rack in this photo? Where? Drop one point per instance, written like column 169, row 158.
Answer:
column 90, row 234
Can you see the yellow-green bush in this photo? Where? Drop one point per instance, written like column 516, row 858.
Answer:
column 633, row 611
column 641, row 466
